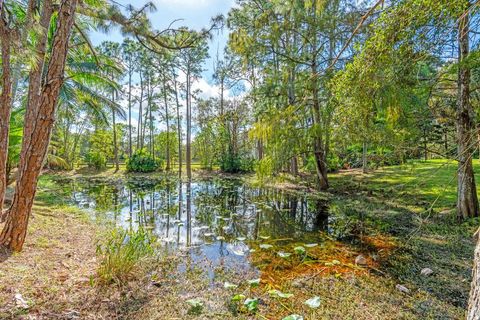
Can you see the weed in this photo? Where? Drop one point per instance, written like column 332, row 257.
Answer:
column 122, row 253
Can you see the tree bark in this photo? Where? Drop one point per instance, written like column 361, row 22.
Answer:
column 5, row 105
column 467, row 200
column 34, row 148
column 474, row 300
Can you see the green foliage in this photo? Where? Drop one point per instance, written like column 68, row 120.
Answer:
column 96, row 159
column 141, row 161
column 122, row 253
column 235, row 164
column 15, row 138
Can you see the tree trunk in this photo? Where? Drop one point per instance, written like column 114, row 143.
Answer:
column 165, row 98
column 115, row 146
column 179, row 131
column 318, row 147
column 294, row 166
column 140, row 111
column 474, row 300
column 130, row 108
column 35, row 147
column 467, row 200
column 364, row 158
column 5, row 105
column 189, row 128
column 114, row 127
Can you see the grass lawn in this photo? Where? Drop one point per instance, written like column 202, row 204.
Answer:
column 418, row 183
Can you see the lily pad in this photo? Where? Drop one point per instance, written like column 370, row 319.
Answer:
column 238, row 297
column 196, row 306
column 299, row 250
column 313, row 302
column 195, row 302
column 280, row 294
column 265, row 246
column 254, row 282
column 251, row 304
column 228, row 285
column 284, row 255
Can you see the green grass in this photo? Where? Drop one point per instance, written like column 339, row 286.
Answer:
column 418, row 183
column 122, row 253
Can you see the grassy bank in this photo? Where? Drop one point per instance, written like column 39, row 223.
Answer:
column 401, row 219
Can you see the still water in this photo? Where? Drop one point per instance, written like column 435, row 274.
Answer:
column 214, row 221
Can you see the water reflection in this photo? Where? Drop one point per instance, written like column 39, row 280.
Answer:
column 211, row 220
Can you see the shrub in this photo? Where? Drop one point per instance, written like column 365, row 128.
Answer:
column 142, row 162
column 121, row 254
column 235, row 164
column 96, row 160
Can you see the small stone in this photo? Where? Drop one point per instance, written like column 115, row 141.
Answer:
column 360, row 260
column 426, row 272
column 402, row 288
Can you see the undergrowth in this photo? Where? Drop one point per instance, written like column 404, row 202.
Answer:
column 122, row 254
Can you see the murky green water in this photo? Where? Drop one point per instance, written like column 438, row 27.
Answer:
column 213, row 220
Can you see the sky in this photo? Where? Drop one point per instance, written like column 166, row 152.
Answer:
column 195, row 14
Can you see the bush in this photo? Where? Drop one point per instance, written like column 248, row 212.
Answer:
column 142, row 162
column 95, row 159
column 235, row 164
column 121, row 253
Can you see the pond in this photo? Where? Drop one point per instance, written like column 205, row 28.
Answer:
column 214, row 221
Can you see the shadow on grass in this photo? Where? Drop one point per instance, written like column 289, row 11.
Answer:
column 425, row 238
column 5, row 253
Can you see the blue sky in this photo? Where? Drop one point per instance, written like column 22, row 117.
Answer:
column 196, row 14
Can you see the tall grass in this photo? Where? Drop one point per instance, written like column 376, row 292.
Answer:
column 122, row 253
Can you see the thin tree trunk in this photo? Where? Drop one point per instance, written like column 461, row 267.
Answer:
column 140, row 111
column 179, row 131
column 189, row 124
column 152, row 141
column 467, row 201
column 130, row 108
column 319, row 150
column 364, row 158
column 167, row 120
column 115, row 146
column 35, row 147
